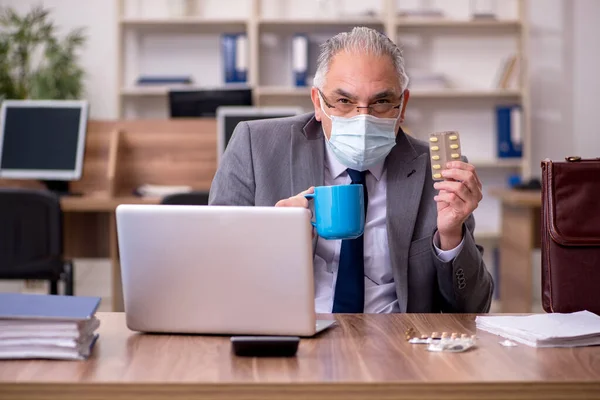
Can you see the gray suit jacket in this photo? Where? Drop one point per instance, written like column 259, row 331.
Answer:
column 270, row 160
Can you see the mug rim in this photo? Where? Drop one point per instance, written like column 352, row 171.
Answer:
column 336, row 186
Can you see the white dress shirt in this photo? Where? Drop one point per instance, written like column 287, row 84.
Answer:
column 380, row 289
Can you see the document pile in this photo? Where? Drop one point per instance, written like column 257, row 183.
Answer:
column 161, row 190
column 47, row 327
column 546, row 330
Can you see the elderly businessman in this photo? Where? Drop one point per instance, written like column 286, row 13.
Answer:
column 417, row 253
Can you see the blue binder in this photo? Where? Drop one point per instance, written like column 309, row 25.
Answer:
column 47, row 307
column 228, row 52
column 235, row 57
column 300, row 59
column 164, row 80
column 508, row 130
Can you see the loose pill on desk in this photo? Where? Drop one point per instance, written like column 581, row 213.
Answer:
column 443, row 148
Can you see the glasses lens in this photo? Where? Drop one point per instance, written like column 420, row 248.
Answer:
column 382, row 108
column 345, row 108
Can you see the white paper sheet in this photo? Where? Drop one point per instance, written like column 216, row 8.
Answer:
column 545, row 330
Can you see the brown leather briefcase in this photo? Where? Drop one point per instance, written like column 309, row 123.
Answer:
column 571, row 235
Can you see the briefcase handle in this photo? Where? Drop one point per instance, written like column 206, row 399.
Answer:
column 571, row 159
column 578, row 159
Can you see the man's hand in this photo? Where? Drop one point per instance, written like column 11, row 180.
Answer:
column 296, row 201
column 459, row 195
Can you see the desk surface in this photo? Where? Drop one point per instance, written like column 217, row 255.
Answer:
column 364, row 355
column 527, row 198
column 101, row 203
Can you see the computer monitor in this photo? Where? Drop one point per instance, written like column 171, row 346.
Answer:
column 204, row 103
column 43, row 140
column 229, row 117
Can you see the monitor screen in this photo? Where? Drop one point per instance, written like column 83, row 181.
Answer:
column 229, row 117
column 42, row 139
column 204, row 103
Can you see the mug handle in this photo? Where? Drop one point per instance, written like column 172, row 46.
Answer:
column 311, row 196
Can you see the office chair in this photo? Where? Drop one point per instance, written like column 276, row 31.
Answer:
column 31, row 238
column 186, row 199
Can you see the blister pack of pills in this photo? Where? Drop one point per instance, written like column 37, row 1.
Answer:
column 443, row 148
column 444, row 342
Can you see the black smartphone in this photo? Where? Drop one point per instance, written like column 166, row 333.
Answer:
column 265, row 346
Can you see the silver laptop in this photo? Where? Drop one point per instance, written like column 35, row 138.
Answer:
column 217, row 270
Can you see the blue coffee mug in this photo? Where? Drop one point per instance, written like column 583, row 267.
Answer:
column 339, row 211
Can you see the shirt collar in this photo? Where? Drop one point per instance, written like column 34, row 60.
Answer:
column 336, row 168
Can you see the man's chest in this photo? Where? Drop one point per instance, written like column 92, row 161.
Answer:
column 377, row 261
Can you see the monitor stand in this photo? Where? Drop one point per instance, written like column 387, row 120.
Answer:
column 60, row 188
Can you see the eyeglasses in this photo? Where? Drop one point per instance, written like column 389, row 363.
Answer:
column 346, row 107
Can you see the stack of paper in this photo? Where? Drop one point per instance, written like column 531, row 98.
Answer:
column 546, row 330
column 161, row 190
column 49, row 327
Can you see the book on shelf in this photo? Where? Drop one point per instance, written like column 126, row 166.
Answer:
column 47, row 326
column 234, row 50
column 483, row 9
column 418, row 13
column 163, row 80
column 509, row 131
column 508, row 77
column 300, row 59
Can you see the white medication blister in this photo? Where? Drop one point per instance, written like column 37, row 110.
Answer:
column 443, row 148
column 452, row 345
column 446, row 342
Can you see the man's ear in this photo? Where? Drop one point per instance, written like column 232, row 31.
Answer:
column 314, row 96
column 404, row 103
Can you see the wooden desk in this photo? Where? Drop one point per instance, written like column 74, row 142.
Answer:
column 365, row 356
column 102, row 203
column 87, row 219
column 521, row 231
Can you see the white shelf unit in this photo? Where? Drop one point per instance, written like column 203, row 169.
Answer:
column 268, row 30
column 256, row 23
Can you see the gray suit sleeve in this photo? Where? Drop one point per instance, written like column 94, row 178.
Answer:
column 465, row 283
column 233, row 184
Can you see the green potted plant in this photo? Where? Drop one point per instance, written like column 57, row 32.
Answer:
column 34, row 62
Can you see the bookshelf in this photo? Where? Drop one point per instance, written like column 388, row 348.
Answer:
column 450, row 44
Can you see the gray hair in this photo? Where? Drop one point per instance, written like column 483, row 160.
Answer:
column 360, row 40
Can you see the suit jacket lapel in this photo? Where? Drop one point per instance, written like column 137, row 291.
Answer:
column 307, row 156
column 406, row 171
column 306, row 159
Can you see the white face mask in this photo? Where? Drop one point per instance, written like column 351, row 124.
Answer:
column 362, row 141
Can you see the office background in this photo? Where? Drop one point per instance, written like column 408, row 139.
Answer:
column 562, row 73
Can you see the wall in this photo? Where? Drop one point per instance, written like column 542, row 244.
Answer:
column 586, row 77
column 550, row 72
column 98, row 58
